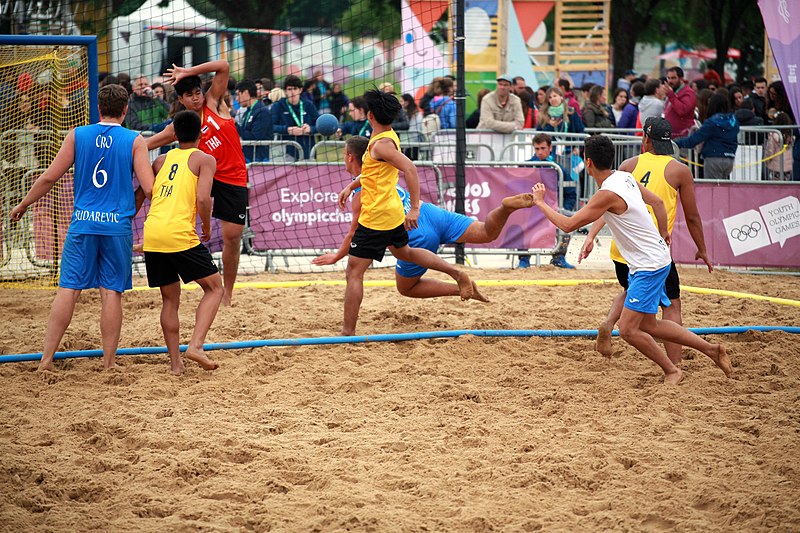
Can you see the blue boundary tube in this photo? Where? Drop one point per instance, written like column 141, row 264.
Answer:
column 89, row 41
column 387, row 337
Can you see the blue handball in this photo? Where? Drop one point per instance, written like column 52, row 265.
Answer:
column 327, row 124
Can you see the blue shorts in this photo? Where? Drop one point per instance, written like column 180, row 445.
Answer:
column 92, row 261
column 436, row 227
column 646, row 290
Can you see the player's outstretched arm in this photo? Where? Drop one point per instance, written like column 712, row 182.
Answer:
column 588, row 244
column 141, row 166
column 601, row 202
column 60, row 165
column 162, row 138
column 386, row 150
column 219, row 85
column 205, row 178
column 694, row 223
column 659, row 209
column 344, row 249
column 347, row 191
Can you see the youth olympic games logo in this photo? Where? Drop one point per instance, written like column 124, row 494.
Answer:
column 747, row 231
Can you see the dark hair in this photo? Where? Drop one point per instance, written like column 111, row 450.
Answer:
column 747, row 103
column 383, row 106
column 517, row 78
column 357, row 145
column 781, row 101
column 600, row 150
column 249, row 86
column 188, row 85
column 760, row 79
column 637, row 89
column 411, row 107
column 677, row 70
column 292, row 81
column 718, row 104
column 360, row 103
column 187, row 126
column 595, row 92
column 703, row 97
column 112, row 100
column 542, row 138
column 231, row 83
column 732, row 90
column 564, row 83
column 700, row 83
column 747, row 86
column 267, row 84
column 651, row 86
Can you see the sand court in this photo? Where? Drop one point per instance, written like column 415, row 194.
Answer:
column 466, row 434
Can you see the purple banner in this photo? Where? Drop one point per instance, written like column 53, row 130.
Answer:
column 486, row 188
column 295, row 206
column 754, row 225
column 783, row 30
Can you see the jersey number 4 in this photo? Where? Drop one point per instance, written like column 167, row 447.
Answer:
column 645, row 179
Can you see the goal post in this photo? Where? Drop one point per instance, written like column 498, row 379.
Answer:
column 48, row 85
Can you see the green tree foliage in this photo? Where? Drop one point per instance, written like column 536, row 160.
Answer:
column 379, row 18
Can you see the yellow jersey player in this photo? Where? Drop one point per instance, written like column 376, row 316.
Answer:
column 383, row 222
column 172, row 248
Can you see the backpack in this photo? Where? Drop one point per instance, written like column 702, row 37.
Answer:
column 431, row 123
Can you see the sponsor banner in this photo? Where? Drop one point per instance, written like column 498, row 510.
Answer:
column 782, row 23
column 754, row 225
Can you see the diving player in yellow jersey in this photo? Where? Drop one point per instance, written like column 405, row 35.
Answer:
column 668, row 178
column 172, row 249
column 383, row 221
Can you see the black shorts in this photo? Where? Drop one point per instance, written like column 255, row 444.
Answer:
column 230, row 202
column 163, row 268
column 672, row 286
column 371, row 243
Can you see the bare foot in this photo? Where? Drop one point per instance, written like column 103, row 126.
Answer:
column 477, row 295
column 673, row 378
column 722, row 360
column 603, row 342
column 227, row 300
column 45, row 365
column 177, row 370
column 518, row 201
column 464, row 286
column 112, row 368
column 199, row 357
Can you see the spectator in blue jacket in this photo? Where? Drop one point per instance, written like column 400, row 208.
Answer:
column 719, row 135
column 444, row 105
column 630, row 113
column 295, row 119
column 253, row 121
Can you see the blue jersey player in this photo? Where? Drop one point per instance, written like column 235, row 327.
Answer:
column 97, row 251
column 436, row 227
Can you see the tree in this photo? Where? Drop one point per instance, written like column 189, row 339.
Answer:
column 729, row 19
column 252, row 14
column 629, row 20
column 380, row 18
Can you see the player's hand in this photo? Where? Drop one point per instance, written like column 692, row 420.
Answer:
column 412, row 219
column 667, row 238
column 205, row 233
column 538, row 191
column 703, row 257
column 343, row 196
column 138, row 247
column 324, row 260
column 586, row 249
column 175, row 74
column 17, row 212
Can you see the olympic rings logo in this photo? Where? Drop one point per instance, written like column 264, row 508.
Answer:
column 746, row 232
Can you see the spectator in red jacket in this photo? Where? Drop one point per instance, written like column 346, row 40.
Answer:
column 681, row 101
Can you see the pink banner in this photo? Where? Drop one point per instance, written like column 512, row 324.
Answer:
column 783, row 31
column 295, row 206
column 756, row 225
